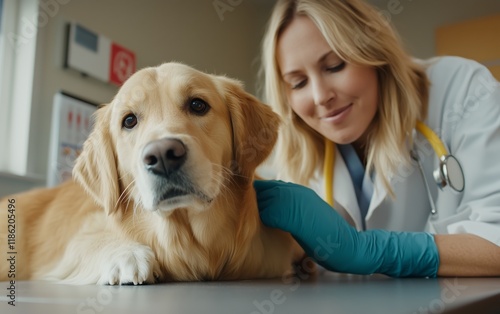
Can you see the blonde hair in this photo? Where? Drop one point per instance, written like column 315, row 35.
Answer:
column 358, row 34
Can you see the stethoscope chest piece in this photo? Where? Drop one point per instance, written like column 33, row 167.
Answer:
column 450, row 173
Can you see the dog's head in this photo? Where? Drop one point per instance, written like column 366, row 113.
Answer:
column 174, row 137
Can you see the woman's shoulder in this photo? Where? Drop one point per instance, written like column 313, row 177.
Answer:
column 450, row 66
column 459, row 87
column 457, row 78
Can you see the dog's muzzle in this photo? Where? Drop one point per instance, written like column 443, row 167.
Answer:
column 165, row 156
column 164, row 159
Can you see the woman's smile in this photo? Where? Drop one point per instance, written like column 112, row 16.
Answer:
column 338, row 116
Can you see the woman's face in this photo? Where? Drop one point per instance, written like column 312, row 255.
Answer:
column 335, row 98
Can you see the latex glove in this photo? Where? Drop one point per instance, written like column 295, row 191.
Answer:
column 335, row 244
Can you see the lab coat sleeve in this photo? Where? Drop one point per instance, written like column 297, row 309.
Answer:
column 471, row 127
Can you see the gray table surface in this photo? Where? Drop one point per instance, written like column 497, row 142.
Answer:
column 325, row 293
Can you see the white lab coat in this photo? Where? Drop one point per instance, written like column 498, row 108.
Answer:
column 464, row 111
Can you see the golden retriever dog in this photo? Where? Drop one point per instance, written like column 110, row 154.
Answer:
column 162, row 191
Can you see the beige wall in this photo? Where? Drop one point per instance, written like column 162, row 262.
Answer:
column 475, row 39
column 417, row 20
column 189, row 31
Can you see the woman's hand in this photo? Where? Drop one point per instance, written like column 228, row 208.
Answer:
column 336, row 245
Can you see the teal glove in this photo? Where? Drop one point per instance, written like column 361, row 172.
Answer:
column 334, row 244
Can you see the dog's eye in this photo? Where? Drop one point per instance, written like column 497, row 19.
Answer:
column 198, row 106
column 130, row 121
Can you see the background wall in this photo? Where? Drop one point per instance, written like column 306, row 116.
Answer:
column 416, row 20
column 192, row 31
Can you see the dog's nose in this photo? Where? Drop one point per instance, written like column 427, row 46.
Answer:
column 164, row 156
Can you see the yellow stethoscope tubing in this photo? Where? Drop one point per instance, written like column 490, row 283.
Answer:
column 436, row 143
column 329, row 161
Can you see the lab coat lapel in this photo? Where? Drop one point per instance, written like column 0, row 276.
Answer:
column 344, row 193
column 379, row 194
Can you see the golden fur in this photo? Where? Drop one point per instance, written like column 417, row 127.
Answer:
column 113, row 223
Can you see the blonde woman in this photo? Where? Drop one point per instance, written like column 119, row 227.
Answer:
column 338, row 76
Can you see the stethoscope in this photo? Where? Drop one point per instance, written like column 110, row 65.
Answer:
column 449, row 172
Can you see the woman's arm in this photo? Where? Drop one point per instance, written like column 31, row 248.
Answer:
column 467, row 255
column 467, row 100
column 334, row 244
column 337, row 246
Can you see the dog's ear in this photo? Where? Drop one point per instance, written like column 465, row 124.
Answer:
column 96, row 168
column 255, row 128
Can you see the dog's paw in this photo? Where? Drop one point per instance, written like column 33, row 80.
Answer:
column 131, row 264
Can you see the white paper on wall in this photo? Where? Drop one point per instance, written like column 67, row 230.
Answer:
column 72, row 121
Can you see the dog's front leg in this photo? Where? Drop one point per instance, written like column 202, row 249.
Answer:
column 104, row 258
column 128, row 263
